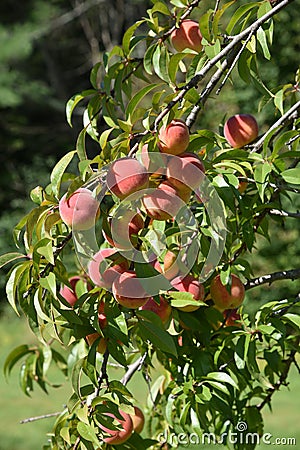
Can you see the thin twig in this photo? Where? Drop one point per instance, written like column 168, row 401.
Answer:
column 275, row 276
column 288, row 116
column 44, row 416
column 278, row 212
column 134, row 367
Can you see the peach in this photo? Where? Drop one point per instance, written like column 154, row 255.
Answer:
column 174, row 138
column 225, row 298
column 80, row 211
column 154, row 162
column 240, row 130
column 170, row 266
column 188, row 35
column 102, row 344
column 185, row 172
column 192, row 285
column 163, row 309
column 162, row 203
column 118, row 436
column 103, row 270
column 125, row 289
column 69, row 294
column 138, row 420
column 124, row 228
column 232, row 318
column 126, row 176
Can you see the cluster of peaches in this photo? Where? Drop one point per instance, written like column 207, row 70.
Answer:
column 165, row 184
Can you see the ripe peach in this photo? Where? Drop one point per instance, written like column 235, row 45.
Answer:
column 185, row 172
column 70, row 294
column 128, row 291
column 154, row 162
column 80, row 211
column 232, row 318
column 124, row 229
column 125, row 176
column 174, row 138
column 170, row 266
column 240, row 130
column 138, row 420
column 118, row 436
column 102, row 345
column 192, row 285
column 103, row 270
column 224, row 299
column 163, row 309
column 188, row 35
column 162, row 203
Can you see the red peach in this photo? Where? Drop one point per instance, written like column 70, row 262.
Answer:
column 192, row 285
column 138, row 420
column 126, row 176
column 227, row 299
column 118, row 436
column 163, row 309
column 125, row 289
column 232, row 318
column 124, row 229
column 103, row 271
column 185, row 171
column 80, row 211
column 162, row 203
column 174, row 138
column 188, row 35
column 240, row 130
column 102, row 344
column 69, row 294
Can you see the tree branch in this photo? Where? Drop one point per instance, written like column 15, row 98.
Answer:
column 44, row 416
column 275, row 276
column 212, row 62
column 134, row 367
column 288, row 116
column 282, row 379
column 278, row 212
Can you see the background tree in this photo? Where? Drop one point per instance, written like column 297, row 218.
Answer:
column 212, row 366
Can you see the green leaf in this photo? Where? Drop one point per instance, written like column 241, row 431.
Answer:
column 261, row 37
column 181, row 299
column 80, row 145
column 128, row 36
column 238, row 14
column 161, row 63
column 49, row 283
column 173, row 65
column 222, row 377
column 278, row 100
column 204, row 24
column 137, row 98
column 261, row 173
column 76, row 374
column 148, row 58
column 293, row 318
column 47, row 252
column 9, row 257
column 73, row 102
column 12, row 284
column 14, row 357
column 159, row 337
column 87, row 432
column 59, row 170
column 291, row 176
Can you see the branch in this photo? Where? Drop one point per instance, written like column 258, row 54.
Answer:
column 134, row 367
column 103, row 375
column 282, row 379
column 278, row 212
column 66, row 18
column 270, row 278
column 212, row 62
column 291, row 114
column 44, row 416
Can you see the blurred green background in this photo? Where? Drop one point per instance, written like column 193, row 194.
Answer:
column 46, row 52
